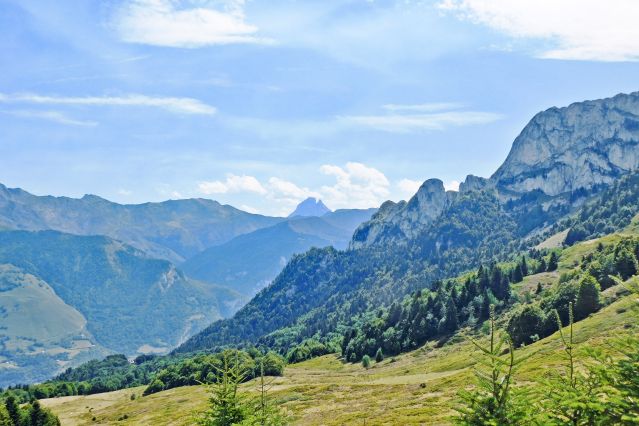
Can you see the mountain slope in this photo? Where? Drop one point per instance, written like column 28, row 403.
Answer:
column 418, row 387
column 436, row 234
column 172, row 230
column 249, row 262
column 39, row 333
column 131, row 303
column 322, row 288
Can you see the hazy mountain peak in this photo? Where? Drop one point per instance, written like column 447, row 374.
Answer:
column 310, row 207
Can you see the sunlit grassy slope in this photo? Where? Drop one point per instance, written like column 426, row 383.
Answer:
column 418, row 387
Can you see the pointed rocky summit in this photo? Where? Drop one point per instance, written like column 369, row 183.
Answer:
column 310, row 207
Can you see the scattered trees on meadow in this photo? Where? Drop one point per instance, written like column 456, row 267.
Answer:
column 603, row 390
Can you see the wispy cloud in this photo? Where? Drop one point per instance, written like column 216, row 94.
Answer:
column 408, row 187
column 357, row 185
column 576, row 29
column 185, row 23
column 428, row 107
column 421, row 117
column 176, row 105
column 232, row 184
column 54, row 116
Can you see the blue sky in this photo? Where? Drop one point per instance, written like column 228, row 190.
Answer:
column 260, row 104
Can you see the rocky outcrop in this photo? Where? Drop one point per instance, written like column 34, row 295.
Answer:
column 560, row 151
column 404, row 220
column 473, row 183
column 579, row 146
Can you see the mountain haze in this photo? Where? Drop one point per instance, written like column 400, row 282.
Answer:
column 249, row 262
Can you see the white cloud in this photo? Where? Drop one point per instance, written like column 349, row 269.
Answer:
column 125, row 192
column 409, row 187
column 577, row 29
column 288, row 189
column 178, row 105
column 453, row 185
column 232, row 184
column 249, row 209
column 357, row 186
column 184, row 23
column 54, row 116
column 408, row 123
column 429, row 107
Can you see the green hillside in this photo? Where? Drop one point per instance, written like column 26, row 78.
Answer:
column 324, row 289
column 39, row 332
column 419, row 387
column 61, row 287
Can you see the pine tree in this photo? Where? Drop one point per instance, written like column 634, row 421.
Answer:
column 587, row 297
column 379, row 355
column 265, row 413
column 485, row 306
column 227, row 406
column 523, row 266
column 542, row 266
column 553, row 262
column 625, row 263
column 366, row 361
column 624, row 373
column 5, row 420
column 573, row 398
column 451, row 322
column 517, row 276
column 491, row 403
column 13, row 409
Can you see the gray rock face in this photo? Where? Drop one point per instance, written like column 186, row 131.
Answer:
column 473, row 183
column 404, row 220
column 559, row 151
column 579, row 146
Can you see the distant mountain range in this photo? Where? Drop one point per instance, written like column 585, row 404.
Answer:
column 81, row 278
column 562, row 159
column 174, row 230
column 249, row 262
